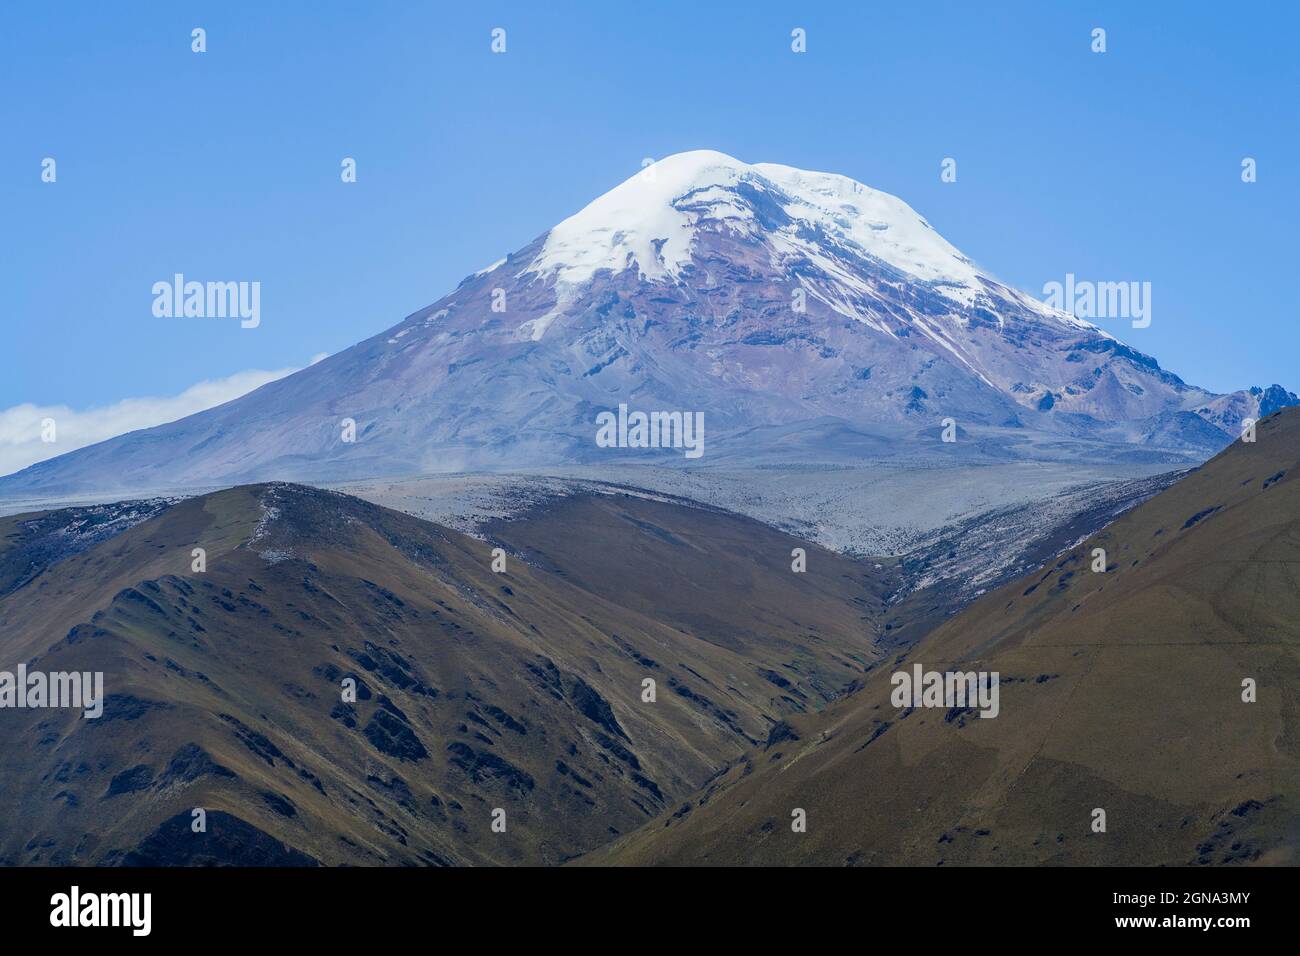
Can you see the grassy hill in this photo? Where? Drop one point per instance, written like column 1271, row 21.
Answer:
column 1120, row 690
column 477, row 690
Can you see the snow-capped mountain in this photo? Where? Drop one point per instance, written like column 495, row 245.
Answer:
column 777, row 302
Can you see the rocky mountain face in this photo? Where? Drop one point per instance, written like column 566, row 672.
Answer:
column 1148, row 673
column 771, row 300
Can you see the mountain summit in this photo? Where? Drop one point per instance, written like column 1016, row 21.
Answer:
column 655, row 221
column 791, row 308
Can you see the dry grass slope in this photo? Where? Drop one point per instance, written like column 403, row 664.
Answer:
column 478, row 690
column 1120, row 690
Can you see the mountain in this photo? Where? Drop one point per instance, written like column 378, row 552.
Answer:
column 476, row 690
column 802, row 314
column 1120, row 690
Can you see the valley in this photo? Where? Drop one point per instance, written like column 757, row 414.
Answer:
column 523, row 692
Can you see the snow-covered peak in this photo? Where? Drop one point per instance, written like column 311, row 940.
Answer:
column 651, row 221
column 637, row 222
column 882, row 225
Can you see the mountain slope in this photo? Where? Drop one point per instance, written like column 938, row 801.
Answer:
column 1119, row 690
column 762, row 296
column 477, row 690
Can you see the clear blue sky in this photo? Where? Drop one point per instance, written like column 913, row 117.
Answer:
column 225, row 165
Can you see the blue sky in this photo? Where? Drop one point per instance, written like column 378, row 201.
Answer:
column 225, row 165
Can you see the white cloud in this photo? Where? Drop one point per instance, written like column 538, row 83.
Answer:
column 21, row 426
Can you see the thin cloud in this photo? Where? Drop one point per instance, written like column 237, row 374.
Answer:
column 21, row 426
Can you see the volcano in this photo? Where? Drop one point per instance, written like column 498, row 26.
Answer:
column 793, row 310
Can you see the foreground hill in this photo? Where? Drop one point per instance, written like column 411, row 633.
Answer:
column 476, row 690
column 1120, row 691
